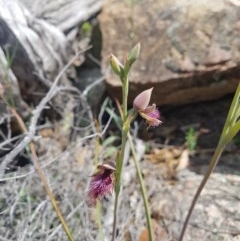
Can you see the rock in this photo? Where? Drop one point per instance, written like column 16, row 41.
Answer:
column 216, row 214
column 189, row 51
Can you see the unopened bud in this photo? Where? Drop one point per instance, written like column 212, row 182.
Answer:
column 134, row 53
column 116, row 66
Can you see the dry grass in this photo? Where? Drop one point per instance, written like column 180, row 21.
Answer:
column 27, row 213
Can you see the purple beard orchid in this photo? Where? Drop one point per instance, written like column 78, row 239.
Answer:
column 102, row 182
column 149, row 112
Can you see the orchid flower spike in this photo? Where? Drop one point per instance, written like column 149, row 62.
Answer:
column 102, row 182
column 149, row 112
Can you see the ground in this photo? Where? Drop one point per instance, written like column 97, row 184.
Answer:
column 27, row 213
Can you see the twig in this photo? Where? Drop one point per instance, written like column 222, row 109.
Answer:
column 9, row 141
column 94, row 59
column 42, row 177
column 59, row 226
column 36, row 114
column 89, row 87
column 57, row 157
column 83, row 97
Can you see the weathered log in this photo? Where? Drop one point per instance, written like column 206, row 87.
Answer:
column 36, row 50
column 9, row 88
column 32, row 39
column 35, row 47
column 66, row 15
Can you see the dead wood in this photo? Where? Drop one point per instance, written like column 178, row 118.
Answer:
column 34, row 49
column 66, row 15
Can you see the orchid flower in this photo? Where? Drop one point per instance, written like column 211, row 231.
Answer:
column 102, row 182
column 149, row 112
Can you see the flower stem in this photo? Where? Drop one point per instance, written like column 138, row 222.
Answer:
column 99, row 221
column 125, row 97
column 118, row 180
column 122, row 72
column 120, row 158
column 143, row 190
column 115, row 217
column 99, row 207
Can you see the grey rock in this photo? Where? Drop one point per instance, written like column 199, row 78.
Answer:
column 190, row 51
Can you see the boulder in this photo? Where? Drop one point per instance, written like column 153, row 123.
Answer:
column 189, row 51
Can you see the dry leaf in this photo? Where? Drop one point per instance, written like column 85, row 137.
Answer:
column 160, row 233
column 46, row 132
column 170, row 160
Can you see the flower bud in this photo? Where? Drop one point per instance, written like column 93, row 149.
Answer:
column 116, row 66
column 134, row 53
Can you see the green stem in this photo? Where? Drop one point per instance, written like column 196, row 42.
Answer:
column 125, row 129
column 120, row 158
column 143, row 190
column 124, row 96
column 115, row 217
column 118, row 179
column 212, row 165
column 98, row 208
column 99, row 221
column 126, row 121
column 233, row 108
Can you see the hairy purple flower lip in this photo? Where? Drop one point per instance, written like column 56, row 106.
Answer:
column 102, row 182
column 149, row 112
